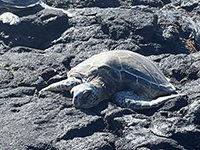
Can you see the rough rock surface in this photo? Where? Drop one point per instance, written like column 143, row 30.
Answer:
column 46, row 44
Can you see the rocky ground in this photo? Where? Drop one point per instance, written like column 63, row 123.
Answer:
column 46, row 44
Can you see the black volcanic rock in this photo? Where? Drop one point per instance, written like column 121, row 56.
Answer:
column 35, row 30
column 47, row 44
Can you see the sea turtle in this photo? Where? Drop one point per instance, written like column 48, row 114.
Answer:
column 9, row 6
column 132, row 78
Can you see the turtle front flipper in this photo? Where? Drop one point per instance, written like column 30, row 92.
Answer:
column 9, row 18
column 129, row 99
column 64, row 85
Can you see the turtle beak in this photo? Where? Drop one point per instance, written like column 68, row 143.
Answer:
column 76, row 102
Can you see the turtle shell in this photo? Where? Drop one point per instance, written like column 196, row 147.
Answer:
column 19, row 3
column 128, row 70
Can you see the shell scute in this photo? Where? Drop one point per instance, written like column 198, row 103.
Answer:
column 128, row 76
column 112, row 62
column 135, row 66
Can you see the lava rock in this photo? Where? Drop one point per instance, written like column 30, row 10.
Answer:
column 47, row 44
column 35, row 30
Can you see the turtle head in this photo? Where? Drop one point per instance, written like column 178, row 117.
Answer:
column 85, row 95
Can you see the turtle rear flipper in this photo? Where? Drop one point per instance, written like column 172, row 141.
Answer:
column 129, row 99
column 64, row 85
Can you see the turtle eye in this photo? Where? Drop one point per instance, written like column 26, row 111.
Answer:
column 86, row 94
